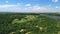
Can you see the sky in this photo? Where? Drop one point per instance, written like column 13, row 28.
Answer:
column 37, row 6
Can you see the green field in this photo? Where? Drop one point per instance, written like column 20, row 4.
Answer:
column 28, row 24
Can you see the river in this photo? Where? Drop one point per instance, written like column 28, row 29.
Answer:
column 53, row 17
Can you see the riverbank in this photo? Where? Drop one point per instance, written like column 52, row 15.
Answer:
column 52, row 16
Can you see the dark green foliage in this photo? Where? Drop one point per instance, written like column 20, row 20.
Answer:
column 33, row 24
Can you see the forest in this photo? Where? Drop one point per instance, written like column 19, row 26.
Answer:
column 17, row 23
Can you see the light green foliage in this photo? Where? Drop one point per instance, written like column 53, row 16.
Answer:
column 25, row 19
column 15, row 21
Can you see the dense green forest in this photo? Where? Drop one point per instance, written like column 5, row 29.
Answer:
column 28, row 24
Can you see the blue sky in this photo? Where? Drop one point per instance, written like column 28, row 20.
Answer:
column 30, row 6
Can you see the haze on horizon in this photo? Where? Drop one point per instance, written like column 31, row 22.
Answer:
column 37, row 6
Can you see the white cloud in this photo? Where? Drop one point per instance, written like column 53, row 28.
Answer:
column 6, row 1
column 49, row 5
column 36, row 8
column 9, row 8
column 19, row 4
column 6, row 5
column 55, row 1
column 28, row 5
column 17, row 8
column 56, row 7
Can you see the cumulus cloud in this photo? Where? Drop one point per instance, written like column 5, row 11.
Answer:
column 9, row 8
column 55, row 1
column 36, row 9
column 30, row 8
column 28, row 5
